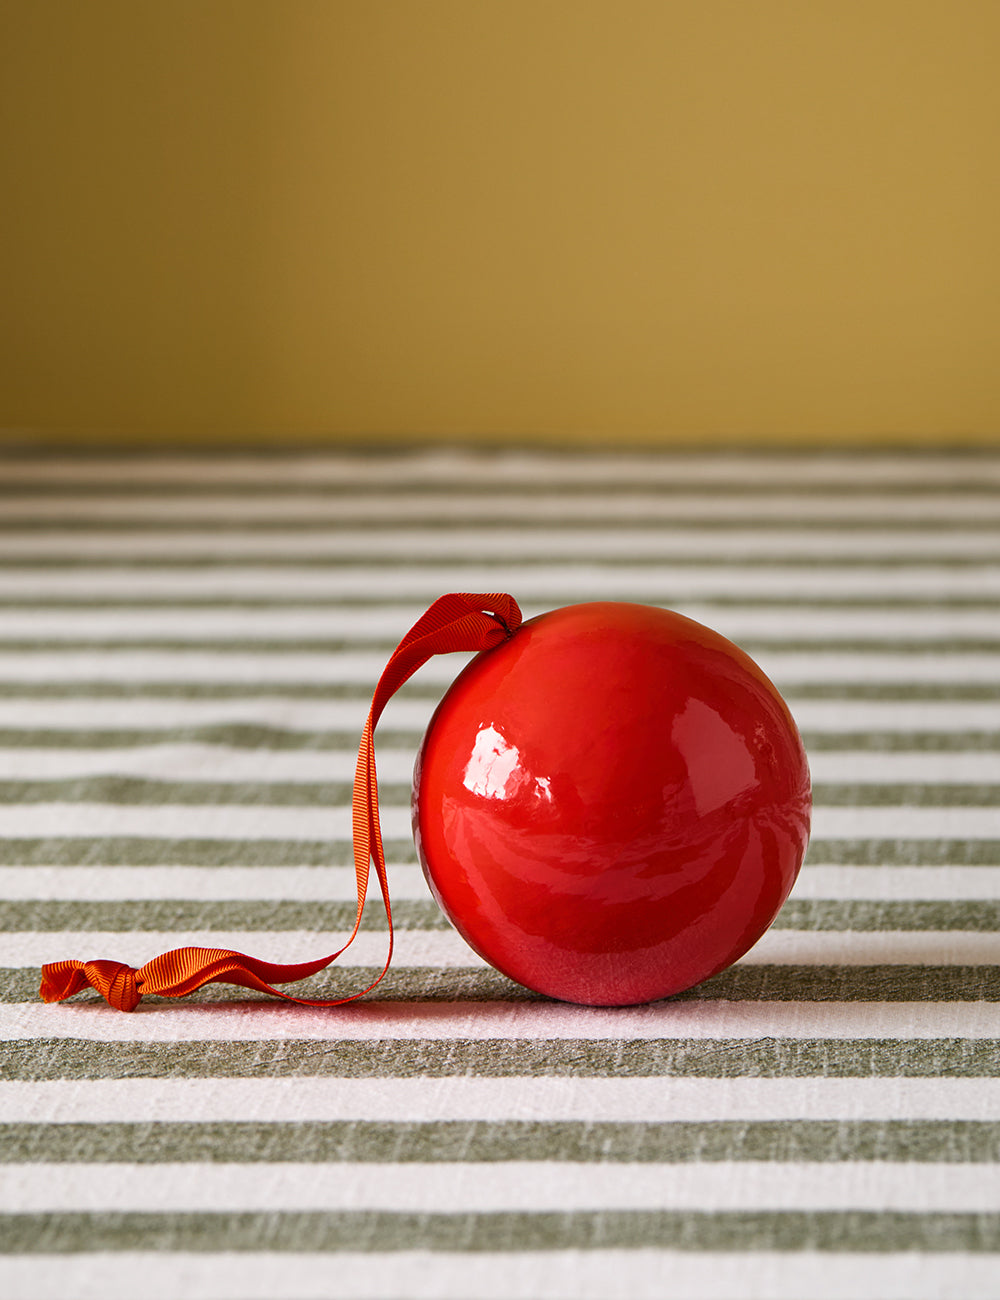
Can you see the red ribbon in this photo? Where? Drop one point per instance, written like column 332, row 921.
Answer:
column 460, row 621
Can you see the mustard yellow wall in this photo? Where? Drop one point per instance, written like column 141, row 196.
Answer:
column 653, row 219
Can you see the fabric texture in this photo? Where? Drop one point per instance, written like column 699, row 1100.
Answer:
column 188, row 650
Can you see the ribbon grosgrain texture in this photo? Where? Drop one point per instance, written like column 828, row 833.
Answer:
column 458, row 621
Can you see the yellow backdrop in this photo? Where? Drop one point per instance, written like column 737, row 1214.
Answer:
column 708, row 219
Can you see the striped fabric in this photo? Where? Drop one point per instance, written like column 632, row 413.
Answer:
column 187, row 649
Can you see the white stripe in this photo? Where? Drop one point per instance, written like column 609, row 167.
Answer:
column 140, row 711
column 291, row 822
column 200, row 762
column 114, row 883
column 319, row 1099
column 388, row 621
column 206, row 884
column 299, row 884
column 451, row 1021
column 832, row 716
column 207, row 762
column 229, row 666
column 906, row 823
column 536, row 582
column 439, row 949
column 941, row 667
column 364, row 668
column 846, row 623
column 532, row 1187
column 881, row 883
column 619, row 542
column 870, row 767
column 637, row 1274
column 191, row 821
column 838, row 716
column 503, row 504
column 462, row 465
column 391, row 621
column 444, row 949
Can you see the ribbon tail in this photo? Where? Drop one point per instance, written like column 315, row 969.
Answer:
column 460, row 621
column 172, row 975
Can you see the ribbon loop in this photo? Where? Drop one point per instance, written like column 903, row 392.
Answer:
column 458, row 621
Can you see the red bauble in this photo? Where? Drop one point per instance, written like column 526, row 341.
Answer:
column 612, row 805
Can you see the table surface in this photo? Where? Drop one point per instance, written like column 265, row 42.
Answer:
column 187, row 650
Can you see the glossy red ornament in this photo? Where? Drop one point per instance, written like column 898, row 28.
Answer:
column 612, row 805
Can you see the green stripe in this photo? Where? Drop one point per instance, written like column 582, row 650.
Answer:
column 138, row 790
column 765, row 983
column 401, row 984
column 834, row 690
column 243, row 735
column 127, row 790
column 958, row 1142
column 632, row 516
column 909, row 794
column 135, row 851
column 247, row 644
column 887, row 983
column 718, row 1058
column 887, row 741
column 138, row 691
column 234, row 914
column 517, row 1232
column 906, row 853
column 164, row 689
column 239, row 735
column 314, row 916
column 863, row 914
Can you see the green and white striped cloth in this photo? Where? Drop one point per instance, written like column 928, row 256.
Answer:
column 187, row 651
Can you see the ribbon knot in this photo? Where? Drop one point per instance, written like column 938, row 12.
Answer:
column 114, row 980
